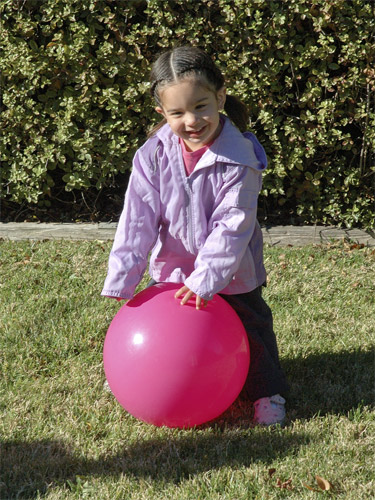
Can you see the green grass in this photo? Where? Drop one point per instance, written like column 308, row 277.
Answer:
column 63, row 437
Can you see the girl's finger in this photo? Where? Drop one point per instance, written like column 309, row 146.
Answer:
column 199, row 303
column 187, row 297
column 181, row 291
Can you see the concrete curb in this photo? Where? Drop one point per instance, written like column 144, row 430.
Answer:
column 273, row 235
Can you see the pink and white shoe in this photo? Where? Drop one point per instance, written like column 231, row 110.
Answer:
column 270, row 410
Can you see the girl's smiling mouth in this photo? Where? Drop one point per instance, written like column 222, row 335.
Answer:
column 196, row 133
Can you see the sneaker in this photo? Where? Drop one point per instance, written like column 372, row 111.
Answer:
column 270, row 411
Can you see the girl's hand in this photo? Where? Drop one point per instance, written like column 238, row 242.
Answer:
column 187, row 293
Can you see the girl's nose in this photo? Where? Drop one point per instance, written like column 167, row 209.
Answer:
column 191, row 119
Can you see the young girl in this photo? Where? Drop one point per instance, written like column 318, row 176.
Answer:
column 192, row 201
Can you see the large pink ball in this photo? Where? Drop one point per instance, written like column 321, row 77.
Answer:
column 172, row 365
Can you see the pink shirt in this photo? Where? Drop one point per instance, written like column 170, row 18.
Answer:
column 191, row 158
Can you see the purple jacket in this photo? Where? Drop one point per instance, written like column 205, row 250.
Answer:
column 201, row 230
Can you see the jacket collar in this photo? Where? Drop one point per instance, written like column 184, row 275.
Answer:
column 231, row 147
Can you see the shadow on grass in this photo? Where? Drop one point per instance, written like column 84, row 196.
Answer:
column 321, row 384
column 330, row 383
column 29, row 469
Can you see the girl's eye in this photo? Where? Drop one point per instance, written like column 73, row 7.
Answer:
column 200, row 106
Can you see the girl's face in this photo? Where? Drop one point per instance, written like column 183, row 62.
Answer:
column 192, row 111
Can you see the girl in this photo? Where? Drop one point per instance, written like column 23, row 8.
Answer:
column 192, row 201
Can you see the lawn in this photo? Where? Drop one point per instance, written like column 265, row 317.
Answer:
column 64, row 437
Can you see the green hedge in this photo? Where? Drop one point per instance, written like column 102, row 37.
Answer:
column 76, row 104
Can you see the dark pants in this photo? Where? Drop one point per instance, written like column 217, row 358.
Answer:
column 265, row 377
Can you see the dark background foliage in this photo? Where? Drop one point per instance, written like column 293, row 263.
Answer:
column 75, row 103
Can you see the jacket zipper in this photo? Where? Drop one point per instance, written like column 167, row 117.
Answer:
column 190, row 209
column 190, row 216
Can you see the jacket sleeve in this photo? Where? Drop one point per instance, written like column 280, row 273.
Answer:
column 136, row 231
column 232, row 225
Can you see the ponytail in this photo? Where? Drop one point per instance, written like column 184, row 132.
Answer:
column 237, row 112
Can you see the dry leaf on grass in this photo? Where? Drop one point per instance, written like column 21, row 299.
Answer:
column 322, row 483
column 356, row 246
column 271, row 472
column 310, row 487
column 284, row 485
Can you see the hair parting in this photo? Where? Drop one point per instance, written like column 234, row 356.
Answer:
column 172, row 68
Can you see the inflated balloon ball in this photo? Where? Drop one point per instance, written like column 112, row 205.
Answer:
column 174, row 365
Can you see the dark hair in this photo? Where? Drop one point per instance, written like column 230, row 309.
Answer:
column 187, row 61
